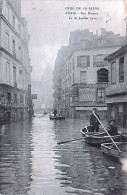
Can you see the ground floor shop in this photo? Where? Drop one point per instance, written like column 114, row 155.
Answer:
column 8, row 115
column 118, row 112
column 85, row 112
column 15, row 104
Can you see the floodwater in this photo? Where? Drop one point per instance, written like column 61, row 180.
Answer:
column 32, row 163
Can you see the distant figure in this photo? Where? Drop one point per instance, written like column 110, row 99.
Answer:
column 94, row 122
column 55, row 112
column 112, row 128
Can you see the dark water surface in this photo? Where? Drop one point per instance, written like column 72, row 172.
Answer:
column 31, row 162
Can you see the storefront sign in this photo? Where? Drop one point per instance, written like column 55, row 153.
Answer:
column 34, row 96
column 116, row 99
column 91, row 108
column 87, row 94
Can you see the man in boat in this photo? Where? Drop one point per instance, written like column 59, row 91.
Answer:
column 112, row 130
column 55, row 112
column 94, row 123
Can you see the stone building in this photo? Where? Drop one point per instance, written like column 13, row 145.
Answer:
column 116, row 93
column 15, row 69
column 57, row 79
column 85, row 73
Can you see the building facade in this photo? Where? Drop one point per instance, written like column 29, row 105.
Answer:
column 15, row 69
column 57, row 79
column 85, row 73
column 116, row 93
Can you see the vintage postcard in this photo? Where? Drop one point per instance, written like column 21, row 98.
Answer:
column 63, row 97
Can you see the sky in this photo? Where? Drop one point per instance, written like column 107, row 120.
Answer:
column 49, row 25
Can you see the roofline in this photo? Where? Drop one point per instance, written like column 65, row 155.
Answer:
column 117, row 53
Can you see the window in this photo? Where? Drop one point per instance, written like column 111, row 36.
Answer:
column 25, row 100
column 121, row 69
column 9, row 96
column 8, row 72
column 73, row 64
column 20, row 78
column 100, row 95
column 7, row 41
column 7, row 12
column 19, row 29
column 13, row 47
column 70, row 80
column 13, row 21
column 73, row 78
column 15, row 98
column 19, row 47
column 14, row 74
column 98, row 60
column 21, row 99
column 83, row 77
column 102, row 75
column 83, row 61
column 113, row 73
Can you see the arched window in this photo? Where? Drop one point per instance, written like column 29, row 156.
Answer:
column 102, row 75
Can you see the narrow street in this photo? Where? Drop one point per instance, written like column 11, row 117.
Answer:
column 33, row 163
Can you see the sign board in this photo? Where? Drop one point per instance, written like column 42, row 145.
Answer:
column 91, row 108
column 110, row 100
column 34, row 96
column 87, row 94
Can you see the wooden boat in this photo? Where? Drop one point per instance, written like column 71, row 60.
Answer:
column 124, row 137
column 89, row 131
column 110, row 150
column 97, row 138
column 57, row 117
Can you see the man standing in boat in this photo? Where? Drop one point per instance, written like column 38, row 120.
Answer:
column 55, row 112
column 94, row 122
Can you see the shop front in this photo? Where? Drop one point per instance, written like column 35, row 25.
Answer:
column 117, row 109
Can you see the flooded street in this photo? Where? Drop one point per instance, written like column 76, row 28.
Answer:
column 31, row 161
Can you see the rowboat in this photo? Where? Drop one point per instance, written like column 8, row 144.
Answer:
column 57, row 117
column 97, row 138
column 110, row 150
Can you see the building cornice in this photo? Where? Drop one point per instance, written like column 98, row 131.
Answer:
column 116, row 94
column 88, row 48
column 9, row 54
column 19, row 17
column 11, row 87
column 117, row 53
column 5, row 20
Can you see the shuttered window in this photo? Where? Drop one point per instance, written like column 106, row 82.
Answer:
column 121, row 69
column 83, row 61
column 113, row 73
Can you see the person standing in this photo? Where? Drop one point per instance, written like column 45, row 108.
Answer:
column 93, row 121
column 55, row 112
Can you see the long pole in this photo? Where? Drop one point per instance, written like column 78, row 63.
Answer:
column 70, row 140
column 106, row 130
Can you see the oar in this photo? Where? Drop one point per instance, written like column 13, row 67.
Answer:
column 70, row 140
column 106, row 131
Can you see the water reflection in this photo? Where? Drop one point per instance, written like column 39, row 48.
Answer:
column 15, row 158
column 32, row 162
column 85, row 169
